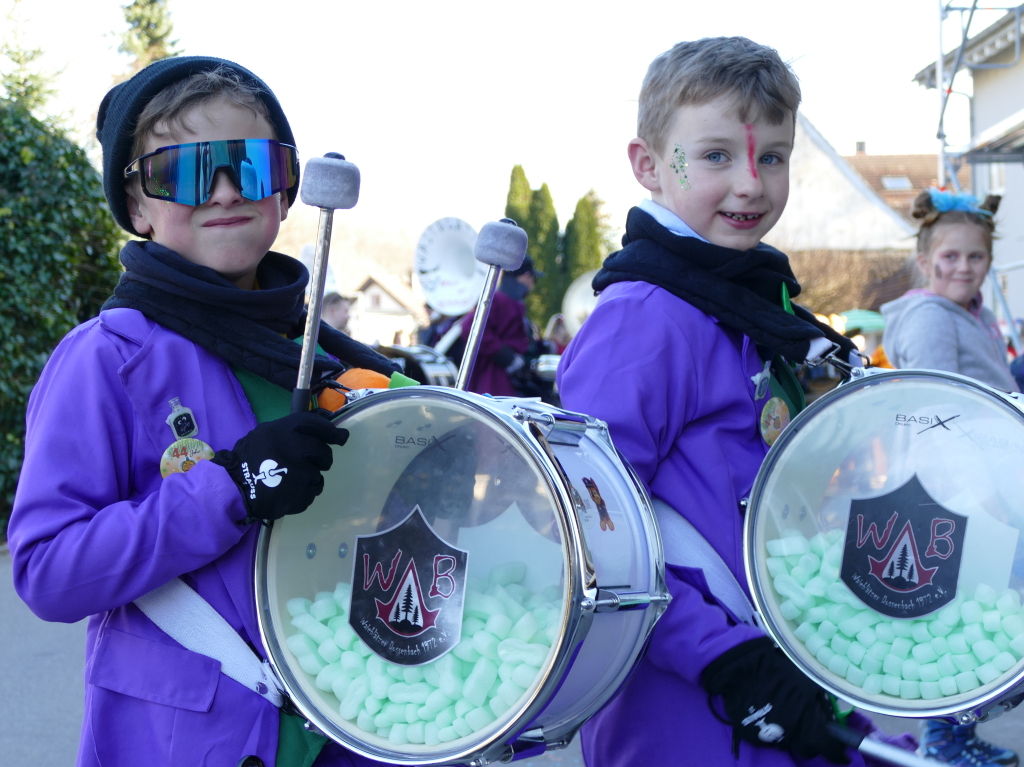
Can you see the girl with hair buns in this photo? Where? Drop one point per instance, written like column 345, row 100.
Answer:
column 944, row 326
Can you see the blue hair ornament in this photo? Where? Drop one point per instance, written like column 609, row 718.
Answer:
column 947, row 201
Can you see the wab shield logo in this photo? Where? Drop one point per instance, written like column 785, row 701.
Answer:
column 408, row 589
column 902, row 552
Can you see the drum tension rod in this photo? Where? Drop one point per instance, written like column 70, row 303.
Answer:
column 610, row 601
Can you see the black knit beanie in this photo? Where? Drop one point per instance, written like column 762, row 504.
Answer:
column 121, row 107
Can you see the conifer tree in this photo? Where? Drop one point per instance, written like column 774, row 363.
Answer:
column 586, row 236
column 148, row 35
column 22, row 83
column 545, row 250
column 517, row 204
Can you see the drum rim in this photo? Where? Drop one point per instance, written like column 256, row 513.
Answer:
column 975, row 709
column 575, row 620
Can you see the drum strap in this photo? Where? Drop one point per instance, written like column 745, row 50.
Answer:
column 193, row 623
column 686, row 547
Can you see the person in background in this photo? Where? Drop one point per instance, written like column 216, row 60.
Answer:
column 336, row 310
column 945, row 327
column 556, row 334
column 507, row 337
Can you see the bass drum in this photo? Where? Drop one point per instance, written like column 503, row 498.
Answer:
column 883, row 544
column 478, row 577
column 423, row 364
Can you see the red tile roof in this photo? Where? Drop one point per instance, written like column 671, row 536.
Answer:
column 919, row 168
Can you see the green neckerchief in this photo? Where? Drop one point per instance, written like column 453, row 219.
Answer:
column 783, row 382
column 296, row 746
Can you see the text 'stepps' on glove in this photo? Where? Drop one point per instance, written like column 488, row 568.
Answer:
column 278, row 465
column 769, row 702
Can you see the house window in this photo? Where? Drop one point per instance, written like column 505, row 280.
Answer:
column 997, row 178
column 896, row 182
column 375, row 301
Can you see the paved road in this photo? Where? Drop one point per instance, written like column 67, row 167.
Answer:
column 42, row 688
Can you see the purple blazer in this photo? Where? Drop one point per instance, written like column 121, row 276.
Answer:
column 94, row 526
column 675, row 388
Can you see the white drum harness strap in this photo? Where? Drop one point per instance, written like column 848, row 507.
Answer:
column 193, row 623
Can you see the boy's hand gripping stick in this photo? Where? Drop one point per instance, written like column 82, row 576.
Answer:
column 329, row 183
column 500, row 245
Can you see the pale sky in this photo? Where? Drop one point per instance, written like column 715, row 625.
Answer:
column 436, row 101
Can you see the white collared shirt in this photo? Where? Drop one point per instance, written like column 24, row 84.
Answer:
column 668, row 219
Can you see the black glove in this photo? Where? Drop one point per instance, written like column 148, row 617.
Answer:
column 277, row 466
column 769, row 702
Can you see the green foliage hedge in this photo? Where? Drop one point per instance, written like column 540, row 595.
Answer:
column 58, row 264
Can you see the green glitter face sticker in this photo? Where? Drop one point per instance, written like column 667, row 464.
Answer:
column 678, row 164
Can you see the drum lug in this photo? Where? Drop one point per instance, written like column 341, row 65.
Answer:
column 308, row 726
column 609, row 601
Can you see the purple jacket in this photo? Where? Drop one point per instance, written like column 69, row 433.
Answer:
column 94, row 527
column 506, row 326
column 675, row 388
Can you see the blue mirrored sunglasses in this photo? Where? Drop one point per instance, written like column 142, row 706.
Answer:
column 184, row 173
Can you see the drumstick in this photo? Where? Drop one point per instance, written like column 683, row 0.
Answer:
column 500, row 245
column 876, row 749
column 329, row 183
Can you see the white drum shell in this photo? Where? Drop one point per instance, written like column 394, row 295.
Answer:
column 595, row 651
column 821, row 448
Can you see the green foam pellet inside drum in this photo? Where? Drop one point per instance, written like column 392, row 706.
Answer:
column 950, row 615
column 462, row 727
column 336, row 623
column 873, row 684
column 298, row 606
column 479, row 718
column 985, row 650
column 1008, row 602
column 312, row 628
column 300, row 645
column 344, row 637
column 326, row 678
column 940, row 646
column 482, row 606
column 1013, row 625
column 510, row 692
column 967, row 681
column 946, row 666
column 324, row 609
column 446, row 717
column 871, row 665
column 840, row 612
column 867, row 637
column 1004, row 661
column 499, row 626
column 901, row 646
column 919, row 632
column 340, row 686
column 939, row 629
column 321, row 595
column 465, row 650
column 1001, row 641
column 510, row 606
column 840, row 644
column 902, row 629
column 930, row 690
column 910, row 689
column 911, row 670
column 431, row 734
column 879, row 650
column 929, row 672
column 829, row 572
column 412, row 712
column 840, row 593
column 885, row 632
column 517, row 651
column 479, row 681
column 815, row 643
column 392, row 713
column 856, row 676
column 470, row 626
column 966, row 662
column 415, row 733
column 447, row 734
column 311, row 664
column 825, row 655
column 412, row 674
column 856, row 652
column 924, row 653
column 991, row 620
column 365, row 721
column 498, row 707
column 816, row 614
column 510, row 572
column 816, row 586
column 485, row 643
column 436, row 702
column 525, row 674
column 856, row 623
column 329, row 651
column 343, row 595
column 893, row 665
column 973, row 633
column 463, row 707
column 827, row 630
column 1017, row 645
column 987, row 672
column 524, row 628
column 891, row 685
column 947, row 685
column 777, row 566
column 957, row 644
column 839, row 665
column 372, row 705
column 784, row 547
column 805, row 631
column 353, row 662
column 985, row 595
column 971, row 612
column 789, row 610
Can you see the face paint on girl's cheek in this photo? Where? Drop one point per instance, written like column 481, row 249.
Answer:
column 678, row 164
column 751, row 146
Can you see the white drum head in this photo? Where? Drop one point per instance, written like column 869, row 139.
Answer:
column 449, row 274
column 417, row 608
column 883, row 543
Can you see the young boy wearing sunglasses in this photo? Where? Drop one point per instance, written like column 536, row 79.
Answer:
column 151, row 426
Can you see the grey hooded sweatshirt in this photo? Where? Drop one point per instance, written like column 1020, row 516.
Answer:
column 931, row 332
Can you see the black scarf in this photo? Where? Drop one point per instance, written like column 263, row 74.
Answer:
column 244, row 327
column 742, row 289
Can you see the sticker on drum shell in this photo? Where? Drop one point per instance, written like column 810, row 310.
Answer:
column 408, row 592
column 902, row 552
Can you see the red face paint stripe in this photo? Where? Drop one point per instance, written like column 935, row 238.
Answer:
column 751, row 146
